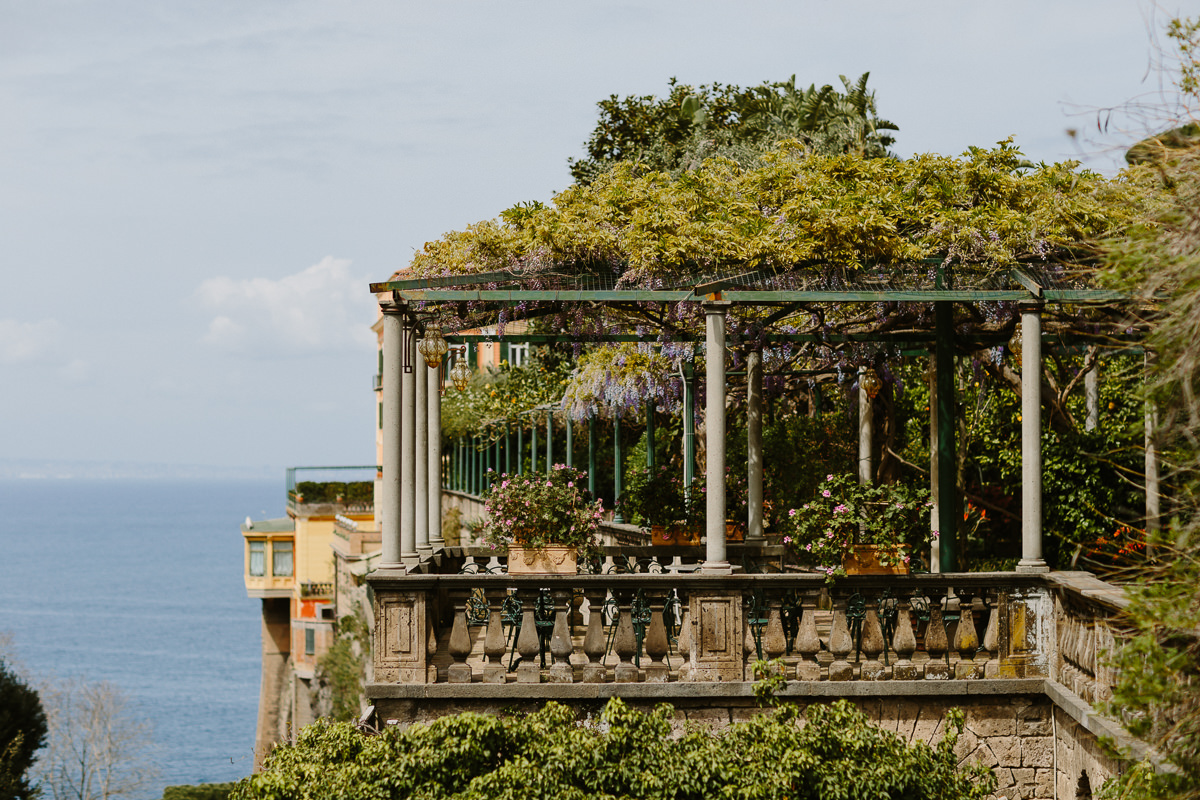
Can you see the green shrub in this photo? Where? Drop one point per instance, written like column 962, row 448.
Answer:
column 626, row 753
column 202, row 791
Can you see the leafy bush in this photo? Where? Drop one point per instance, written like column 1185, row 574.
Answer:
column 626, row 753
column 202, row 791
column 536, row 510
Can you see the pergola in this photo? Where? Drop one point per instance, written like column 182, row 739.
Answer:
column 411, row 410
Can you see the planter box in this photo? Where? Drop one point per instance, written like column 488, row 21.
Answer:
column 553, row 559
column 864, row 559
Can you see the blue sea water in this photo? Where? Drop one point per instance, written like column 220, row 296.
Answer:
column 139, row 583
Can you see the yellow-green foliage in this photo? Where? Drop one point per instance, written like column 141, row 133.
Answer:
column 548, row 754
column 988, row 207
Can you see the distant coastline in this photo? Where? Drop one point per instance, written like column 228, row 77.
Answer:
column 49, row 469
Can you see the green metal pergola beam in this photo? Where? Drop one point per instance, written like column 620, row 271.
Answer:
column 757, row 297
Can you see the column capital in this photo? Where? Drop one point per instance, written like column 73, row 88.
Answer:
column 1031, row 305
column 715, row 306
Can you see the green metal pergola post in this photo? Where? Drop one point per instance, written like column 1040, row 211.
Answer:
column 947, row 483
column 533, row 448
column 618, row 468
column 592, row 456
column 507, row 449
column 689, row 425
column 549, row 441
column 650, row 435
column 496, row 451
column 570, row 442
column 520, row 448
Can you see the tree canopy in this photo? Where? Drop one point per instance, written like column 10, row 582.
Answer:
column 22, row 733
column 677, row 132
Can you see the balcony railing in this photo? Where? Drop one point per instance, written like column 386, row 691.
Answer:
column 311, row 590
column 689, row 628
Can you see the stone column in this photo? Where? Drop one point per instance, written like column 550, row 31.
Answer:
column 420, row 457
column 408, row 448
column 393, row 363
column 1031, row 440
column 866, row 419
column 754, row 461
column 433, row 398
column 714, row 359
column 1091, row 392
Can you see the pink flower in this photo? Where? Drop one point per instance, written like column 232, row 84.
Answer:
column 828, row 477
column 787, row 540
column 840, row 509
column 570, row 484
column 808, row 547
column 548, row 483
column 936, row 534
column 906, row 559
column 792, row 512
column 828, row 534
column 899, row 505
column 826, row 493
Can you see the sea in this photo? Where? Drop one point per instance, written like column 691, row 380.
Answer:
column 138, row 583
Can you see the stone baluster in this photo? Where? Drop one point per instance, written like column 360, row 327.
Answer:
column 774, row 639
column 872, row 647
column 686, row 667
column 560, row 640
column 936, row 643
column 749, row 644
column 808, row 644
column 593, row 641
column 493, row 639
column 527, row 641
column 431, row 646
column 966, row 641
column 625, row 643
column 991, row 637
column 840, row 644
column 656, row 642
column 460, row 639
column 904, row 642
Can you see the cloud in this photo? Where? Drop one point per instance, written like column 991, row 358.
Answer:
column 320, row 309
column 26, row 341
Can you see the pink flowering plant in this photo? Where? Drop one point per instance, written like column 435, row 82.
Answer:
column 536, row 510
column 844, row 513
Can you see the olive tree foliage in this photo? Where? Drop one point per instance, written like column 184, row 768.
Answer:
column 22, row 733
column 1157, row 693
column 677, row 132
column 625, row 753
column 98, row 748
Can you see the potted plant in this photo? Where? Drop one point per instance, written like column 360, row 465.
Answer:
column 654, row 499
column 851, row 528
column 542, row 520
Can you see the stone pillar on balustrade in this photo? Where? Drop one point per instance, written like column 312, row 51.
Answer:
column 716, row 617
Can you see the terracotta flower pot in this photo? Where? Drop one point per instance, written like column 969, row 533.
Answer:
column 553, row 559
column 866, row 559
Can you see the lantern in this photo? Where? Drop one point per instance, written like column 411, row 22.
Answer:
column 870, row 383
column 1014, row 344
column 460, row 373
column 432, row 348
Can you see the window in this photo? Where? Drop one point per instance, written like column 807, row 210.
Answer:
column 310, row 641
column 258, row 558
column 518, row 354
column 281, row 559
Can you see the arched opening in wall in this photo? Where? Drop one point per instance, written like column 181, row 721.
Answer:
column 1083, row 790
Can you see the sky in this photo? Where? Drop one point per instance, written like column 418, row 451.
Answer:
column 194, row 195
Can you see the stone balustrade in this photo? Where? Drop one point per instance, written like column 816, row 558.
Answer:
column 665, row 627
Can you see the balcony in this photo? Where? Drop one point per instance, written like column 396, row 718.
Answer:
column 326, row 491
